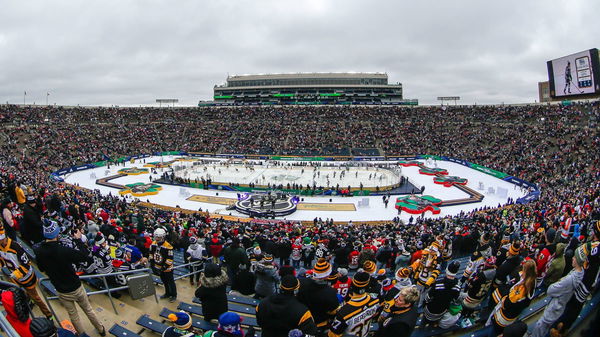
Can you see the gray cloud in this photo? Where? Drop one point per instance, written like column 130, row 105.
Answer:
column 132, row 52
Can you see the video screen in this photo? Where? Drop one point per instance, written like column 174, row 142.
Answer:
column 572, row 75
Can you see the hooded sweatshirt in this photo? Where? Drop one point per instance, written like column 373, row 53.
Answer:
column 560, row 293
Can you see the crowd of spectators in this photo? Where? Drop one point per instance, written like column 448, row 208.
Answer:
column 553, row 146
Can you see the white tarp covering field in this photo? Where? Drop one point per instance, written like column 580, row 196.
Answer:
column 375, row 210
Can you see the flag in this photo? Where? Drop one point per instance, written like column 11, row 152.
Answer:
column 25, row 93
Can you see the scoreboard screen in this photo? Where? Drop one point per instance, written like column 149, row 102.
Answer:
column 574, row 75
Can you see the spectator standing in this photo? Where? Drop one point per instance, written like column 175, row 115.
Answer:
column 212, row 292
column 196, row 253
column 57, row 262
column 560, row 293
column 266, row 277
column 161, row 261
column 318, row 296
column 234, row 256
column 280, row 313
column 32, row 222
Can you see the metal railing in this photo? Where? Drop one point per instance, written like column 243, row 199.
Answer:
column 195, row 263
column 106, row 289
column 5, row 325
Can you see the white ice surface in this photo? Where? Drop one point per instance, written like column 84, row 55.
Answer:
column 170, row 195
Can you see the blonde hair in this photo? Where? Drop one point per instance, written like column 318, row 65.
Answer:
column 529, row 276
column 410, row 294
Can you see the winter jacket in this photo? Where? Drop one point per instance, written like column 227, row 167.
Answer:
column 213, row 295
column 555, row 266
column 21, row 327
column 266, row 280
column 57, row 262
column 234, row 257
column 280, row 313
column 32, row 224
column 321, row 300
column 560, row 293
column 400, row 323
column 243, row 282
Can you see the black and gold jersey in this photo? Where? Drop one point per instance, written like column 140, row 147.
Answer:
column 355, row 317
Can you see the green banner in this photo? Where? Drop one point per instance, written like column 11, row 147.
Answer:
column 100, row 163
column 489, row 171
column 428, row 156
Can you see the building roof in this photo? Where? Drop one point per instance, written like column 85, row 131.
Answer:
column 305, row 75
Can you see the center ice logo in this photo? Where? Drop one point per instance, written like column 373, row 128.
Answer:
column 449, row 181
column 284, row 177
column 133, row 171
column 141, row 189
column 415, row 204
column 432, row 171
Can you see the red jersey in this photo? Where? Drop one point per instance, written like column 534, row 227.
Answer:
column 343, row 288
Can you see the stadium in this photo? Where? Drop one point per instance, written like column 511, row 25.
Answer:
column 299, row 198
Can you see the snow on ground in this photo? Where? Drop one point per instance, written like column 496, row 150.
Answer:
column 172, row 196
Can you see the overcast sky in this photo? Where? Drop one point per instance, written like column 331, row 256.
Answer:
column 132, row 52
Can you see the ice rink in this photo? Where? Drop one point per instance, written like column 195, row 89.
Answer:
column 375, row 210
column 286, row 173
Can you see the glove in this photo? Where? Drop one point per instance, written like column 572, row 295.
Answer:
column 16, row 274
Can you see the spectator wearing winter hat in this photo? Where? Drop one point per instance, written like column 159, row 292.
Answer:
column 320, row 298
column 402, row 280
column 442, row 294
column 356, row 314
column 508, row 269
column 32, row 230
column 575, row 304
column 560, row 293
column 478, row 286
column 403, row 314
column 230, row 326
column 342, row 283
column 57, row 262
column 279, row 313
column 43, row 327
column 182, row 325
column 196, row 253
column 266, row 277
column 212, row 291
column 234, row 257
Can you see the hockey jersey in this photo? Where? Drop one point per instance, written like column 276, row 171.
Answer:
column 14, row 258
column 161, row 256
column 355, row 317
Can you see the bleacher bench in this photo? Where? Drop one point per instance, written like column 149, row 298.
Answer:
column 148, row 323
column 196, row 322
column 120, row 331
column 197, row 310
column 240, row 308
